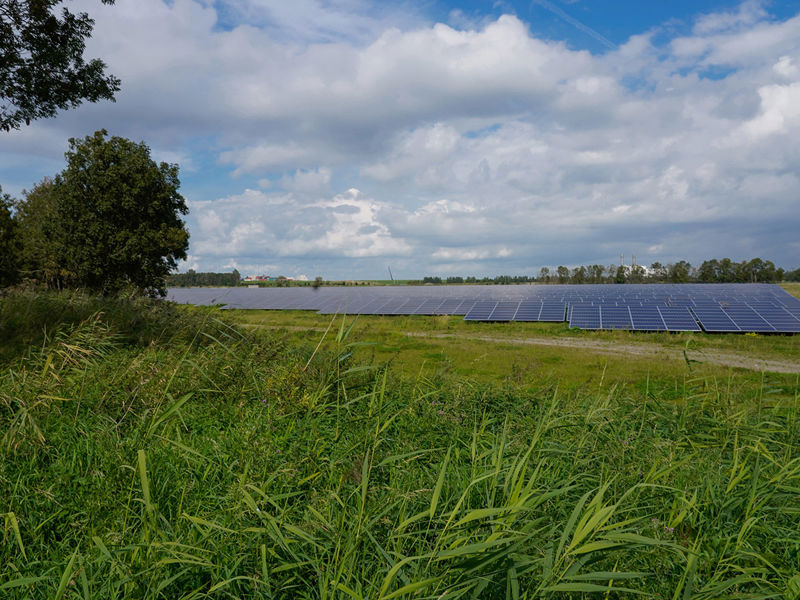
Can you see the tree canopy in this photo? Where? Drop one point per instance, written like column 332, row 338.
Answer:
column 42, row 68
column 110, row 220
column 9, row 241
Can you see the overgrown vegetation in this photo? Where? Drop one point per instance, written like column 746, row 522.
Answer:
column 152, row 452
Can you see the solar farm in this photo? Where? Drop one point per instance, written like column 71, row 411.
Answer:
column 713, row 308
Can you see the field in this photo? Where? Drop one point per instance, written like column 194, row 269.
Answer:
column 152, row 451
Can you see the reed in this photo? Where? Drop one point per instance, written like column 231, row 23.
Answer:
column 150, row 457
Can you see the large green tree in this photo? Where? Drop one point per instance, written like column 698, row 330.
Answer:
column 42, row 68
column 9, row 242
column 117, row 216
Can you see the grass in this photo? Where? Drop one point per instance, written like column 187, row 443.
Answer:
column 414, row 345
column 154, row 453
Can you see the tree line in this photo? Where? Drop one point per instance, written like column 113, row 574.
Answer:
column 723, row 270
column 193, row 278
column 111, row 220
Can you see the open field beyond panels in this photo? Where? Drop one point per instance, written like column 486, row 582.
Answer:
column 155, row 451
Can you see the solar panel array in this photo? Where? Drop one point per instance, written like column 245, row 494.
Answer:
column 760, row 308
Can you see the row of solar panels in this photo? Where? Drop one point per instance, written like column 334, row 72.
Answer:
column 713, row 317
column 715, row 308
column 671, row 294
column 766, row 318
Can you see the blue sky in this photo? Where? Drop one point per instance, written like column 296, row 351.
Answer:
column 340, row 137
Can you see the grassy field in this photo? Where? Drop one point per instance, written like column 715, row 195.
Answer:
column 150, row 451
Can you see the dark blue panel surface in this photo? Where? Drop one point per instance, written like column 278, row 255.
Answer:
column 529, row 310
column 615, row 317
column 553, row 311
column 678, row 318
column 585, row 317
column 647, row 318
column 480, row 311
column 504, row 311
column 761, row 308
column 713, row 319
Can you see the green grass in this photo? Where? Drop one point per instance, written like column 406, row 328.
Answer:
column 452, row 349
column 174, row 456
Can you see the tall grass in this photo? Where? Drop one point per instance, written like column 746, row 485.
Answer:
column 194, row 461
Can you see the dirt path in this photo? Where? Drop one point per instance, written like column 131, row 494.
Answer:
column 655, row 351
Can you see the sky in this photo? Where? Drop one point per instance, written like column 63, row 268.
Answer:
column 341, row 138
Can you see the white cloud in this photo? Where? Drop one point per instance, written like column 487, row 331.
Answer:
column 374, row 134
column 780, row 110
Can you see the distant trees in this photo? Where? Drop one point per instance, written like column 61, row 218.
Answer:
column 715, row 270
column 194, row 279
column 679, row 272
column 544, row 275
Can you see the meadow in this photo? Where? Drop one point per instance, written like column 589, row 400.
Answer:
column 156, row 451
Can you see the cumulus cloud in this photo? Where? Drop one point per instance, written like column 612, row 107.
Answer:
column 376, row 135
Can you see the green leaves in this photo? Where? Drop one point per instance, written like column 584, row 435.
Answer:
column 111, row 220
column 43, row 68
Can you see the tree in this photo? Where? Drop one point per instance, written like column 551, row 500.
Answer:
column 726, row 271
column 42, row 68
column 9, row 242
column 544, row 275
column 658, row 271
column 620, row 275
column 36, row 219
column 563, row 274
column 679, row 272
column 117, row 216
column 596, row 272
column 708, row 271
column 636, row 274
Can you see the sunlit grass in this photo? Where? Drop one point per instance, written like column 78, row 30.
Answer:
column 196, row 460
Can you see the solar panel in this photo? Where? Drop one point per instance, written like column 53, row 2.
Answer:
column 463, row 308
column 504, row 311
column 615, row 317
column 777, row 316
column 528, row 310
column 678, row 318
column 719, row 307
column 747, row 319
column 480, row 311
column 552, row 311
column 408, row 307
column 585, row 317
column 713, row 319
column 429, row 307
column 647, row 318
column 386, row 308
